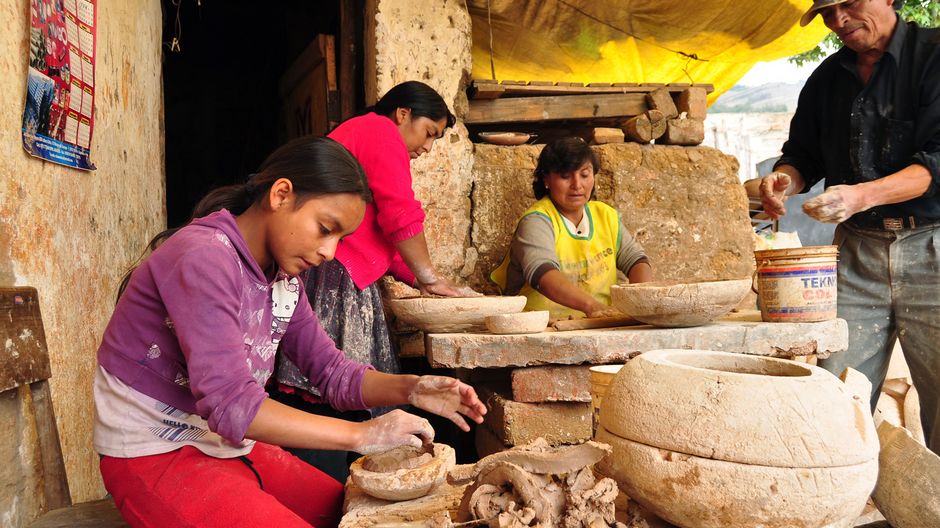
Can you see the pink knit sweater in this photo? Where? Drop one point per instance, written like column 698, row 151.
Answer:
column 394, row 215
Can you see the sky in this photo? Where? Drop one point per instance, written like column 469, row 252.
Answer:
column 776, row 71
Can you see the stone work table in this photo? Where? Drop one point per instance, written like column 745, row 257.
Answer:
column 741, row 332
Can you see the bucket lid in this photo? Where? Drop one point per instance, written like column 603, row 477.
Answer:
column 807, row 251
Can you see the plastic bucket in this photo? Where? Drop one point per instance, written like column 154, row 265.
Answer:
column 601, row 376
column 798, row 284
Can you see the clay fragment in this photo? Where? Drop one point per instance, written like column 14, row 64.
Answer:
column 562, row 491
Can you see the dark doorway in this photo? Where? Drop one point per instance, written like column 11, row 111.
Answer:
column 222, row 105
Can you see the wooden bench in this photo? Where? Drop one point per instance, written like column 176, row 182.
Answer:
column 25, row 363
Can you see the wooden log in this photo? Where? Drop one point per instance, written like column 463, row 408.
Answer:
column 645, row 127
column 693, row 102
column 687, row 132
column 604, row 135
column 661, row 99
column 539, row 109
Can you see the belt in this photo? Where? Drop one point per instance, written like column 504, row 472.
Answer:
column 891, row 224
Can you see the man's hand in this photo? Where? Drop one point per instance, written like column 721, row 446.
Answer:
column 836, row 204
column 773, row 193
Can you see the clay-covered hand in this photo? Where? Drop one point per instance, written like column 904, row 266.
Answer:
column 448, row 397
column 602, row 310
column 392, row 430
column 443, row 286
column 836, row 204
column 773, row 188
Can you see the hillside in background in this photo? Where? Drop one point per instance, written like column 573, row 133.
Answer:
column 771, row 97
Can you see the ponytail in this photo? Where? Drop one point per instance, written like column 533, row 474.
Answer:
column 316, row 166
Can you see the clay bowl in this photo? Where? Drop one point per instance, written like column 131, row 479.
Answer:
column 504, row 138
column 518, row 323
column 678, row 304
column 404, row 473
column 453, row 314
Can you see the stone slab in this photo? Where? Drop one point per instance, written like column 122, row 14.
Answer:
column 518, row 423
column 743, row 333
column 551, row 384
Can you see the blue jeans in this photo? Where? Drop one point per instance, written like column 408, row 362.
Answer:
column 889, row 289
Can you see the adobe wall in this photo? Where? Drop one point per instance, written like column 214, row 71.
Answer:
column 72, row 234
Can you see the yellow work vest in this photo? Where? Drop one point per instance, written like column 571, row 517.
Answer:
column 589, row 261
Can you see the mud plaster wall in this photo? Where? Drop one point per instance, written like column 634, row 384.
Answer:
column 683, row 204
column 71, row 234
column 429, row 41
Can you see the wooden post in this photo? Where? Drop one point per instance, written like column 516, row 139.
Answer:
column 348, row 59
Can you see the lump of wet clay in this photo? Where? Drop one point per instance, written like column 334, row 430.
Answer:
column 403, row 473
column 539, row 485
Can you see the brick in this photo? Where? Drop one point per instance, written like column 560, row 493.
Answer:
column 516, row 423
column 684, row 132
column 411, row 345
column 693, row 102
column 661, row 100
column 551, row 384
column 487, row 442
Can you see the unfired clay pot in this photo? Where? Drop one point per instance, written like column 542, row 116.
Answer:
column 713, row 439
column 518, row 323
column 453, row 314
column 403, row 473
column 678, row 304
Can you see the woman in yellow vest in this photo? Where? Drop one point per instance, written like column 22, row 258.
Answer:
column 567, row 247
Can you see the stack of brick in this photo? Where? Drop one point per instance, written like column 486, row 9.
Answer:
column 552, row 402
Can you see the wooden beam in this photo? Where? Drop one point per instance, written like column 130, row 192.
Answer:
column 552, row 108
column 348, row 56
column 491, row 91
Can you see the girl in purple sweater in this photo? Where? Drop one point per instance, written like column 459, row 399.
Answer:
column 186, row 432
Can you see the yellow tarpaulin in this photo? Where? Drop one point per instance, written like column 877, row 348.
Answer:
column 715, row 41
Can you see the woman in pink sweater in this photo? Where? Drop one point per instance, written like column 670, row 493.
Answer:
column 402, row 126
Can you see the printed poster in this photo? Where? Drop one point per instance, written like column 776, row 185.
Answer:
column 60, row 91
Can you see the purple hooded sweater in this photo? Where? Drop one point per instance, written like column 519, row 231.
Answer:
column 199, row 324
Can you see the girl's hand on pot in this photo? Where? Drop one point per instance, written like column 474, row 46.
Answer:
column 392, row 430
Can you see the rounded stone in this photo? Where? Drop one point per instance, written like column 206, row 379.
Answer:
column 518, row 323
column 739, row 408
column 403, row 473
column 679, row 304
column 691, row 491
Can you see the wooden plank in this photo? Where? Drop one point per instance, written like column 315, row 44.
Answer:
column 531, row 89
column 553, row 108
column 586, row 323
column 55, row 482
column 25, row 358
column 514, row 83
column 599, row 85
column 487, row 91
column 347, row 58
column 541, row 83
column 97, row 514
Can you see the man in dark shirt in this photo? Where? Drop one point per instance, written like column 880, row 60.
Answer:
column 868, row 122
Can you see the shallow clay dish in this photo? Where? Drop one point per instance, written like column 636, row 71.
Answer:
column 518, row 323
column 453, row 314
column 677, row 304
column 504, row 138
column 404, row 473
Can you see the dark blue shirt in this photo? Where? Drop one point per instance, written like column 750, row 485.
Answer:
column 847, row 132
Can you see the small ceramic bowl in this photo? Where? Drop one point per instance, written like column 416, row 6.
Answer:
column 403, row 473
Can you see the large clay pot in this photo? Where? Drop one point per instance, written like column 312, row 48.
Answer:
column 712, row 439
